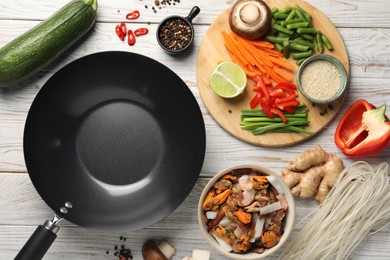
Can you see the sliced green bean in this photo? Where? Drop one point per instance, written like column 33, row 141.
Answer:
column 287, row 9
column 305, row 14
column 264, row 129
column 300, row 61
column 294, row 20
column 280, row 16
column 276, row 39
column 278, row 46
column 309, row 30
column 298, row 47
column 291, row 15
column 280, row 34
column 274, row 10
column 307, row 37
column 300, row 15
column 301, row 55
column 297, row 25
column 320, row 46
column 302, row 41
column 286, row 49
column 282, row 29
column 327, row 42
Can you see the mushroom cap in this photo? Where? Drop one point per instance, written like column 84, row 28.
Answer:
column 250, row 18
column 150, row 251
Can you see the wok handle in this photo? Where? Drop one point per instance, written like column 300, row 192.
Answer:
column 38, row 244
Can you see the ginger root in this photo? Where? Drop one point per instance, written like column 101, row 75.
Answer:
column 313, row 174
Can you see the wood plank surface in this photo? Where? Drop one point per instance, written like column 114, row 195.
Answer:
column 364, row 27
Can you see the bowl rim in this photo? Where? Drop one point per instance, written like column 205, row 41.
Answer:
column 339, row 66
column 290, row 216
column 175, row 17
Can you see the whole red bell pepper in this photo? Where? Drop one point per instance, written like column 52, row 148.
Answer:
column 364, row 130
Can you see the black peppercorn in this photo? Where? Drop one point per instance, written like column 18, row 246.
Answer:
column 175, row 34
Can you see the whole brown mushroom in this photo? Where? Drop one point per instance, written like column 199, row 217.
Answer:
column 250, row 18
column 162, row 250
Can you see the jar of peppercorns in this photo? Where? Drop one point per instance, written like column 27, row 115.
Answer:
column 175, row 34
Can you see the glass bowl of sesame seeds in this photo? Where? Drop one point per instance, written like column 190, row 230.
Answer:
column 175, row 34
column 322, row 79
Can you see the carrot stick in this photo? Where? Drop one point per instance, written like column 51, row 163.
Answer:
column 282, row 63
column 257, row 57
column 287, row 76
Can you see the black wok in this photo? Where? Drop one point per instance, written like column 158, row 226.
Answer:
column 114, row 141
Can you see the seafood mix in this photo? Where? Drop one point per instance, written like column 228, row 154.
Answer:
column 245, row 211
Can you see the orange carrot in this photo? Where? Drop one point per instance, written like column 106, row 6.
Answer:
column 258, row 57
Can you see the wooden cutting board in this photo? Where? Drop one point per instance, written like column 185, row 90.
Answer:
column 227, row 111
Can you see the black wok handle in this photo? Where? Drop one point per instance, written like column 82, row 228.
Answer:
column 39, row 242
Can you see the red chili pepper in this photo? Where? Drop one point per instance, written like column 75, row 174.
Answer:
column 119, row 32
column 130, row 37
column 141, row 31
column 279, row 113
column 133, row 15
column 123, row 28
column 363, row 130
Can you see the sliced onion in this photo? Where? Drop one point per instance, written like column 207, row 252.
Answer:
column 258, row 228
column 224, row 221
column 270, row 208
column 276, row 183
column 211, row 214
column 224, row 245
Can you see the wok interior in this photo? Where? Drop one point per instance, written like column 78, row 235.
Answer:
column 106, row 136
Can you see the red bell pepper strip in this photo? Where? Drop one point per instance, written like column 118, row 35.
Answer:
column 280, row 114
column 255, row 100
column 141, row 31
column 266, row 108
column 130, row 37
column 133, row 15
column 286, row 84
column 363, row 130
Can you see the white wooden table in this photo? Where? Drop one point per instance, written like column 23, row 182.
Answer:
column 365, row 28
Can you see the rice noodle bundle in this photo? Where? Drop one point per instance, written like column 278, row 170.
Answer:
column 359, row 200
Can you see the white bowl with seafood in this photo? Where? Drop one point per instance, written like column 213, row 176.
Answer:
column 246, row 212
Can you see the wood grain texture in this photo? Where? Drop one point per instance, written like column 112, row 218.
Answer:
column 364, row 27
column 227, row 111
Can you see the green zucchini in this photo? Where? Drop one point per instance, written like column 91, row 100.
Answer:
column 40, row 45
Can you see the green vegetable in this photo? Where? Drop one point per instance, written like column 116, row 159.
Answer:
column 307, row 30
column 43, row 43
column 282, row 29
column 320, row 46
column 301, row 55
column 298, row 47
column 294, row 25
column 297, row 25
column 326, row 41
column 258, row 122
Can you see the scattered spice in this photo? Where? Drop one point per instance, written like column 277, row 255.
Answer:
column 175, row 34
column 161, row 4
column 321, row 80
column 122, row 253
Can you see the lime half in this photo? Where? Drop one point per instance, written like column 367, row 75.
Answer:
column 228, row 79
